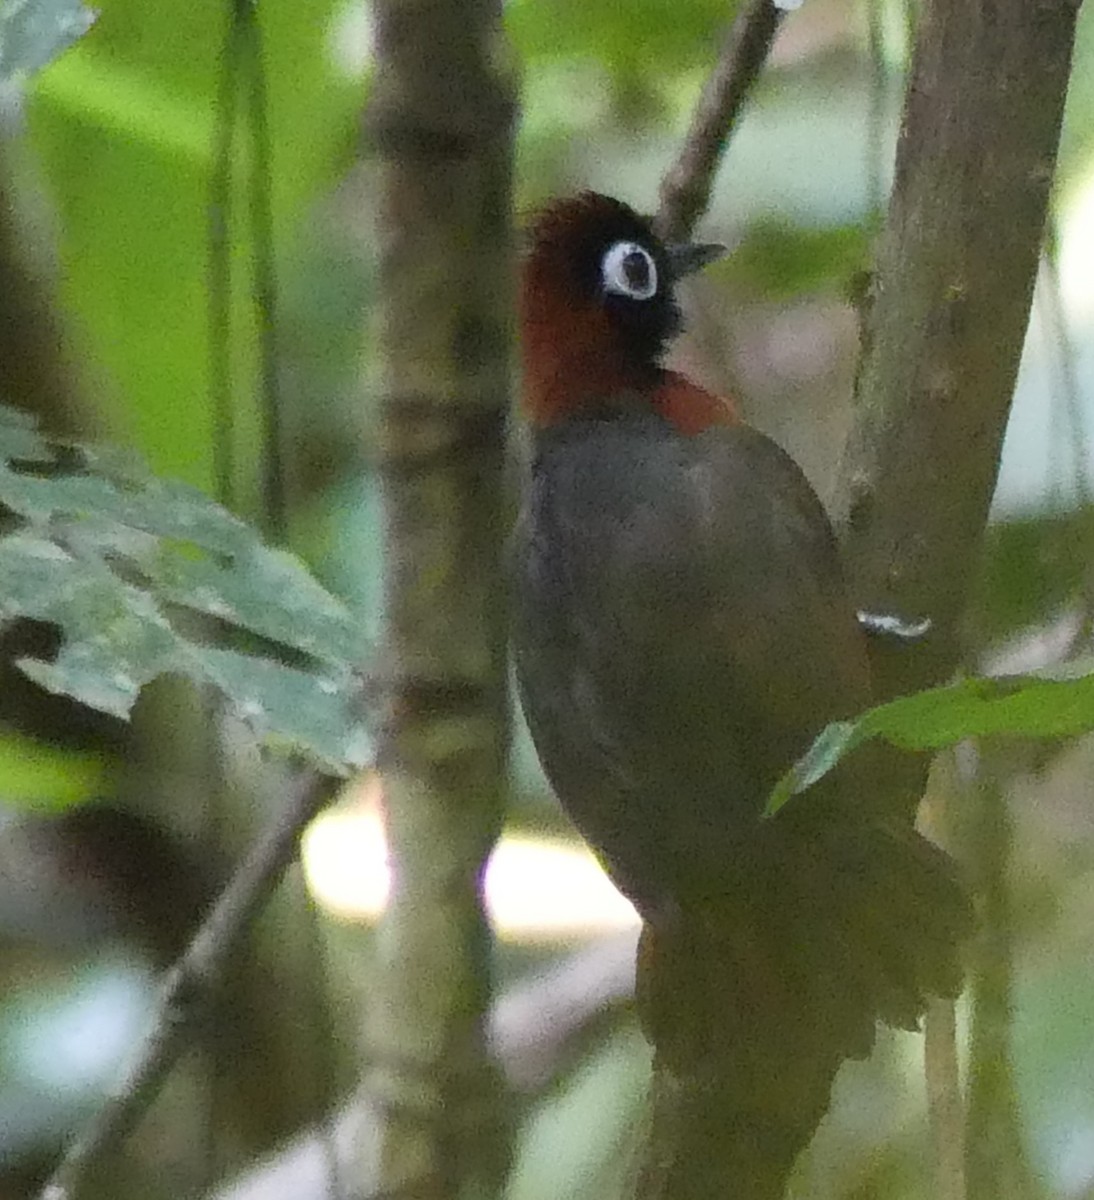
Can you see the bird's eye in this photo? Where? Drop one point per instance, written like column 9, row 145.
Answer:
column 629, row 270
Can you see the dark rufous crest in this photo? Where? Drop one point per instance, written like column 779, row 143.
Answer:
column 598, row 305
column 569, row 242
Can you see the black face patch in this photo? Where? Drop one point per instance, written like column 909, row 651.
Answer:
column 641, row 303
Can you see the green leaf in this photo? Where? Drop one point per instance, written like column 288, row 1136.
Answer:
column 1016, row 706
column 308, row 618
column 1021, row 705
column 780, row 260
column 831, row 744
column 320, row 712
column 1032, row 567
column 34, row 32
column 43, row 778
column 624, row 38
column 130, row 567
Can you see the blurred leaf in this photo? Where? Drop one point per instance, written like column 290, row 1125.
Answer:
column 123, row 563
column 124, row 129
column 625, row 38
column 43, row 778
column 579, row 1141
column 319, row 711
column 34, row 32
column 1030, row 570
column 1021, row 706
column 63, row 1036
column 780, row 260
column 1054, row 1053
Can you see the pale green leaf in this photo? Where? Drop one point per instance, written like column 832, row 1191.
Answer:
column 41, row 777
column 307, row 618
column 131, row 567
column 831, row 744
column 1012, row 706
column 320, row 712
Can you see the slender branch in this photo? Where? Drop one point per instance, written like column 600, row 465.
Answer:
column 950, row 305
column 944, row 1102
column 441, row 121
column 35, row 371
column 274, row 484
column 996, row 1164
column 275, row 491
column 876, row 142
column 188, row 988
column 685, row 189
column 219, row 266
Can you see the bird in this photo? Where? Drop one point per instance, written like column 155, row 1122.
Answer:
column 681, row 633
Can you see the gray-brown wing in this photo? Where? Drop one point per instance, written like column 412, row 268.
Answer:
column 682, row 633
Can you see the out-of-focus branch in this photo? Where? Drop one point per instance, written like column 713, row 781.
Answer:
column 944, row 1101
column 537, row 1030
column 943, row 336
column 441, row 123
column 36, row 375
column 33, row 372
column 685, row 188
column 996, row 1164
column 188, row 988
column 948, row 313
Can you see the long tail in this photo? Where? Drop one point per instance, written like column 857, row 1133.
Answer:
column 754, row 998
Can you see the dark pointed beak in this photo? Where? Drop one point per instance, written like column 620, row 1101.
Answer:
column 686, row 257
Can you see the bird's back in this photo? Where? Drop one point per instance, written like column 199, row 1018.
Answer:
column 682, row 634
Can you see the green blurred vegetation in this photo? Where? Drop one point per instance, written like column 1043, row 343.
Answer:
column 109, row 180
column 123, row 130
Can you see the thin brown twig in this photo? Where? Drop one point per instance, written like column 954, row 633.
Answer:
column 685, row 189
column 187, row 989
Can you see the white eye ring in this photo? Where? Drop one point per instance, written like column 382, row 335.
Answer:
column 628, row 270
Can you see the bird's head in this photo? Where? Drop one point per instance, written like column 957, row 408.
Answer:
column 598, row 304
